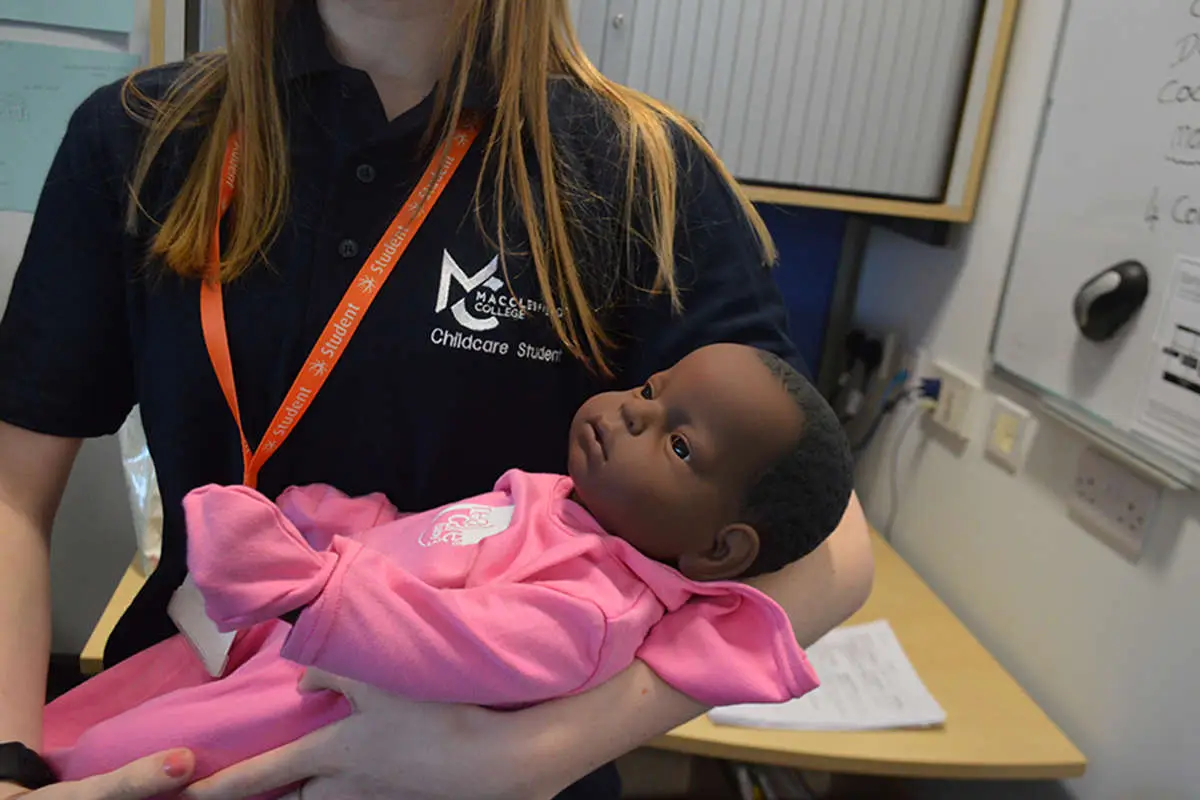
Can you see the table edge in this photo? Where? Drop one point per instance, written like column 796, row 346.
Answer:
column 879, row 766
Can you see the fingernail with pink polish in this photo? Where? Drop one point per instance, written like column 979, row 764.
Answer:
column 178, row 764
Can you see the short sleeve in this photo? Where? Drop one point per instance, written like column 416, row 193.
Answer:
column 728, row 292
column 65, row 353
column 729, row 644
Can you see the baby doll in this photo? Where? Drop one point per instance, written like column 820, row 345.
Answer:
column 726, row 466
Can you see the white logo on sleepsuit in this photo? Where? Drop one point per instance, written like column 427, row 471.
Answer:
column 485, row 277
column 466, row 524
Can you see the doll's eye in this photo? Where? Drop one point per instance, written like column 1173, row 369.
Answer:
column 679, row 447
column 648, row 392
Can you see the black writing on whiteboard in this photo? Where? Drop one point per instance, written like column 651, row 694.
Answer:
column 1184, row 147
column 1175, row 92
column 1185, row 210
column 1186, row 49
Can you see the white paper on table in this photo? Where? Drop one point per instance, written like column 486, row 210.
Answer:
column 867, row 683
column 1168, row 410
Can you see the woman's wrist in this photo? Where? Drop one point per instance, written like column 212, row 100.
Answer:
column 516, row 759
column 8, row 791
column 561, row 741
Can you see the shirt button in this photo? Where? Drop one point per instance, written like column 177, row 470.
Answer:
column 365, row 173
column 348, row 248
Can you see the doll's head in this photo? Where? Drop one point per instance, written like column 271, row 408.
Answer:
column 729, row 464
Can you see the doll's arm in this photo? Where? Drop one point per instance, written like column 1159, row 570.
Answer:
column 496, row 644
column 322, row 512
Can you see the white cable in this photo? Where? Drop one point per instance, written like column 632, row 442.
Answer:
column 920, row 409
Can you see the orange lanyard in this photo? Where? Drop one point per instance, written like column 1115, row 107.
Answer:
column 345, row 320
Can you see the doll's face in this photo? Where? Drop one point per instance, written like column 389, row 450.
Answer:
column 665, row 466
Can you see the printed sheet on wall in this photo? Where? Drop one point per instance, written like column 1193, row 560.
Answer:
column 100, row 15
column 40, row 87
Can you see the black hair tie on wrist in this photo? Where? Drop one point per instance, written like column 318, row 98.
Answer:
column 24, row 767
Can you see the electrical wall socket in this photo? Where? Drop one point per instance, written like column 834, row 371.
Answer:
column 1114, row 502
column 955, row 402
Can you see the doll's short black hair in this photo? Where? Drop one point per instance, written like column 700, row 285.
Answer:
column 798, row 501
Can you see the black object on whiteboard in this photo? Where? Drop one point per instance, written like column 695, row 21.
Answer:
column 1109, row 299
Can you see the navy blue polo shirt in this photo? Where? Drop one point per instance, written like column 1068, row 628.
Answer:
column 449, row 381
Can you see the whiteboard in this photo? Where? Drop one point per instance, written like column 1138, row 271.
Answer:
column 1117, row 177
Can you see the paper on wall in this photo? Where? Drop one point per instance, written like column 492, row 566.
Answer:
column 1168, row 410
column 867, row 683
column 40, row 87
column 102, row 15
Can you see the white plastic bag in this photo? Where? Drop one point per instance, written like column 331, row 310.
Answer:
column 144, row 499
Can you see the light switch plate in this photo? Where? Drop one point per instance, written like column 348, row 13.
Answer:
column 1010, row 433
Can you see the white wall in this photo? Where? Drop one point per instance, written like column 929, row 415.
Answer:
column 93, row 543
column 1110, row 649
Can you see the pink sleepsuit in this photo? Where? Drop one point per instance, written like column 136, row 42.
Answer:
column 506, row 599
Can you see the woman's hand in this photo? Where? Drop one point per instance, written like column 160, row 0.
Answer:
column 388, row 747
column 392, row 747
column 145, row 778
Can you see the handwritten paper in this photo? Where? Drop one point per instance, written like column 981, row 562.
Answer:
column 867, row 683
column 40, row 86
column 101, row 15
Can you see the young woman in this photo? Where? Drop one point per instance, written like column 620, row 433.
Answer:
column 585, row 238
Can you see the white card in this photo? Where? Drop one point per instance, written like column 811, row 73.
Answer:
column 186, row 609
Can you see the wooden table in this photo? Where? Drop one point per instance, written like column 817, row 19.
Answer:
column 993, row 730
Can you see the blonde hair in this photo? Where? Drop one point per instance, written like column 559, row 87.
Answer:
column 518, row 45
